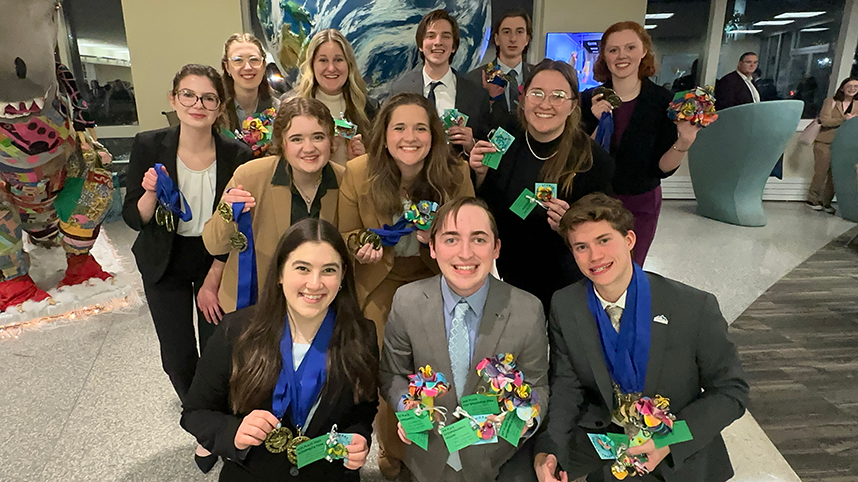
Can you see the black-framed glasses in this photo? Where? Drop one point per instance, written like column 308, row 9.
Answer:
column 556, row 98
column 239, row 61
column 189, row 98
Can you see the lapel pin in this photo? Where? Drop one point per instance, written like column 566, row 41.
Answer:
column 660, row 319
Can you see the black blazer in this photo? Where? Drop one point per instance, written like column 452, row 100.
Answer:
column 154, row 243
column 207, row 415
column 732, row 90
column 471, row 99
column 501, row 114
column 691, row 361
column 649, row 135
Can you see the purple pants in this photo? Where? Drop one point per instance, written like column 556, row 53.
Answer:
column 645, row 207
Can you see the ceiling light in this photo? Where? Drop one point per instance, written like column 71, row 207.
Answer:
column 746, row 31
column 799, row 14
column 772, row 22
column 814, row 29
column 650, row 27
column 658, row 16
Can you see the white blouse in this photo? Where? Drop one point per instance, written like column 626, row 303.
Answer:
column 198, row 188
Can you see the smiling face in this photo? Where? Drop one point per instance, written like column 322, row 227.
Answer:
column 748, row 65
column 240, row 56
column 438, row 43
column 546, row 121
column 196, row 116
column 851, row 88
column 311, row 279
column 512, row 38
column 408, row 136
column 306, row 145
column 330, row 68
column 623, row 53
column 465, row 249
column 604, row 255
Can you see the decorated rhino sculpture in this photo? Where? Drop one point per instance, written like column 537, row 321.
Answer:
column 54, row 185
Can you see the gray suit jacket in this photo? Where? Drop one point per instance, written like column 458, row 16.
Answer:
column 471, row 99
column 691, row 361
column 415, row 335
column 501, row 114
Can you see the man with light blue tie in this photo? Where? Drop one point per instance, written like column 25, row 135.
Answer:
column 453, row 321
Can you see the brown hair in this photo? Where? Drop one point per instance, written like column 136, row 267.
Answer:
column 647, row 67
column 451, row 209
column 575, row 152
column 264, row 90
column 352, row 355
column 431, row 18
column 596, row 207
column 840, row 96
column 206, row 71
column 528, row 27
column 354, row 90
column 292, row 108
column 440, row 177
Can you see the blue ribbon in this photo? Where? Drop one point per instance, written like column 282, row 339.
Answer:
column 627, row 352
column 247, row 283
column 169, row 195
column 390, row 235
column 605, row 131
column 297, row 390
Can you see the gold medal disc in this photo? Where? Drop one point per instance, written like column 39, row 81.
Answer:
column 293, row 444
column 278, row 440
column 224, row 210
column 238, row 241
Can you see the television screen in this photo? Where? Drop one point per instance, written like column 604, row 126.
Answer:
column 579, row 49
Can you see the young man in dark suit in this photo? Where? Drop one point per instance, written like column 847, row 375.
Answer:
column 511, row 35
column 737, row 87
column 662, row 338
column 438, row 40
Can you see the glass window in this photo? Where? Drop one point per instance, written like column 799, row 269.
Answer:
column 678, row 31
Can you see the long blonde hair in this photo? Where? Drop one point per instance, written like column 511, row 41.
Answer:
column 354, row 90
column 264, row 90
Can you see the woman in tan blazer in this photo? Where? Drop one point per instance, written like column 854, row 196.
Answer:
column 834, row 112
column 296, row 183
column 408, row 161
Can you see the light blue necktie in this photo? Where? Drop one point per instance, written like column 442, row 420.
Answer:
column 459, row 346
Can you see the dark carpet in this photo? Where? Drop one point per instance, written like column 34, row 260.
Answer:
column 799, row 346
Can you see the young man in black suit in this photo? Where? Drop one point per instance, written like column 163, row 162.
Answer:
column 662, row 338
column 737, row 87
column 438, row 40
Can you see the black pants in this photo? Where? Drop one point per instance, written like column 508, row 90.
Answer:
column 172, row 304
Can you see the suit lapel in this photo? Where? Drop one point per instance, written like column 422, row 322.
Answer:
column 224, row 169
column 592, row 345
column 435, row 328
column 658, row 340
column 329, row 205
column 281, row 200
column 169, row 153
column 492, row 326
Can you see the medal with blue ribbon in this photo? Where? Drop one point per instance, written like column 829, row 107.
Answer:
column 242, row 241
column 171, row 203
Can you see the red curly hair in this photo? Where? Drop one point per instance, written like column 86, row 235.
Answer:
column 647, row 67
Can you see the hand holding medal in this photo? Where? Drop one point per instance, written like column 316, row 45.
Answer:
column 257, row 427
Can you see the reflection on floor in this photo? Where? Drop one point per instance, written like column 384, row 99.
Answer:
column 88, row 401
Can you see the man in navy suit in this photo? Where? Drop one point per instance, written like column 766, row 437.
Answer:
column 737, row 87
column 438, row 40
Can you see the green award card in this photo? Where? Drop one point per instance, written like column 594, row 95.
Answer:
column 680, row 433
column 412, row 423
column 312, row 450
column 421, row 439
column 523, row 204
column 492, row 159
column 479, row 404
column 459, row 435
column 511, row 428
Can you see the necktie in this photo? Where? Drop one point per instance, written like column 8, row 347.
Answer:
column 512, row 91
column 431, row 95
column 614, row 313
column 459, row 346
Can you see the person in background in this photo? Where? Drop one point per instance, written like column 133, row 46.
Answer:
column 330, row 74
column 738, row 87
column 835, row 111
column 646, row 145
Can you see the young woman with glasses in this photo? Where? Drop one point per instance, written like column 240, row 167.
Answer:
column 174, row 264
column 551, row 148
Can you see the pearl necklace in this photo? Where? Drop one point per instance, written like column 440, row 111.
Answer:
column 527, row 138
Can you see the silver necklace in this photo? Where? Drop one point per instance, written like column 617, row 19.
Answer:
column 307, row 199
column 527, row 138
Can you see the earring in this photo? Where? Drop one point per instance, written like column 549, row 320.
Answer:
column 341, row 288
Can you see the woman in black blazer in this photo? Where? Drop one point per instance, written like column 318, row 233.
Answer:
column 646, row 145
column 172, row 260
column 295, row 364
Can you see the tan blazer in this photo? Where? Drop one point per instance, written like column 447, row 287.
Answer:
column 272, row 216
column 830, row 118
column 356, row 212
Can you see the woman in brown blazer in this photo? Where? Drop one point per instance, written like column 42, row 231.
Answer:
column 408, row 161
column 296, row 183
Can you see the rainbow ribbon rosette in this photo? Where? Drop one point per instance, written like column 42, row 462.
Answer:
column 507, row 383
column 647, row 417
column 256, row 132
column 696, row 106
column 424, row 386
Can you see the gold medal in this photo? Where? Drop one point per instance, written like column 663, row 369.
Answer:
column 278, row 440
column 164, row 217
column 293, row 444
column 224, row 210
column 238, row 241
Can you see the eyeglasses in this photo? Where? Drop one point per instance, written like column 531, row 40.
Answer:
column 237, row 62
column 189, row 98
column 556, row 98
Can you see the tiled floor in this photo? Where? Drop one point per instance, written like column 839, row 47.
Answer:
column 87, row 401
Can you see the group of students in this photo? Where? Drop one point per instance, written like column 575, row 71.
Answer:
column 340, row 322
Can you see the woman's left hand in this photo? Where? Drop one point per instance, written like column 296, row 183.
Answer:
column 556, row 209
column 687, row 134
column 423, row 236
column 208, row 303
column 356, row 147
column 358, row 451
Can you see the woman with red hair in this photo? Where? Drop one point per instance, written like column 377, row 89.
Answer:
column 646, row 145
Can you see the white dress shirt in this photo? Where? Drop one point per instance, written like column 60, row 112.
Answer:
column 198, row 188
column 445, row 93
column 749, row 81
column 518, row 78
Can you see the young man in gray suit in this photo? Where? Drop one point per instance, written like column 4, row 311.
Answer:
column 624, row 331
column 437, row 41
column 453, row 321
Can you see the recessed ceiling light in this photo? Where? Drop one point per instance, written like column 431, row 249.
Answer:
column 746, row 31
column 814, row 29
column 657, row 16
column 650, row 27
column 799, row 14
column 772, row 22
